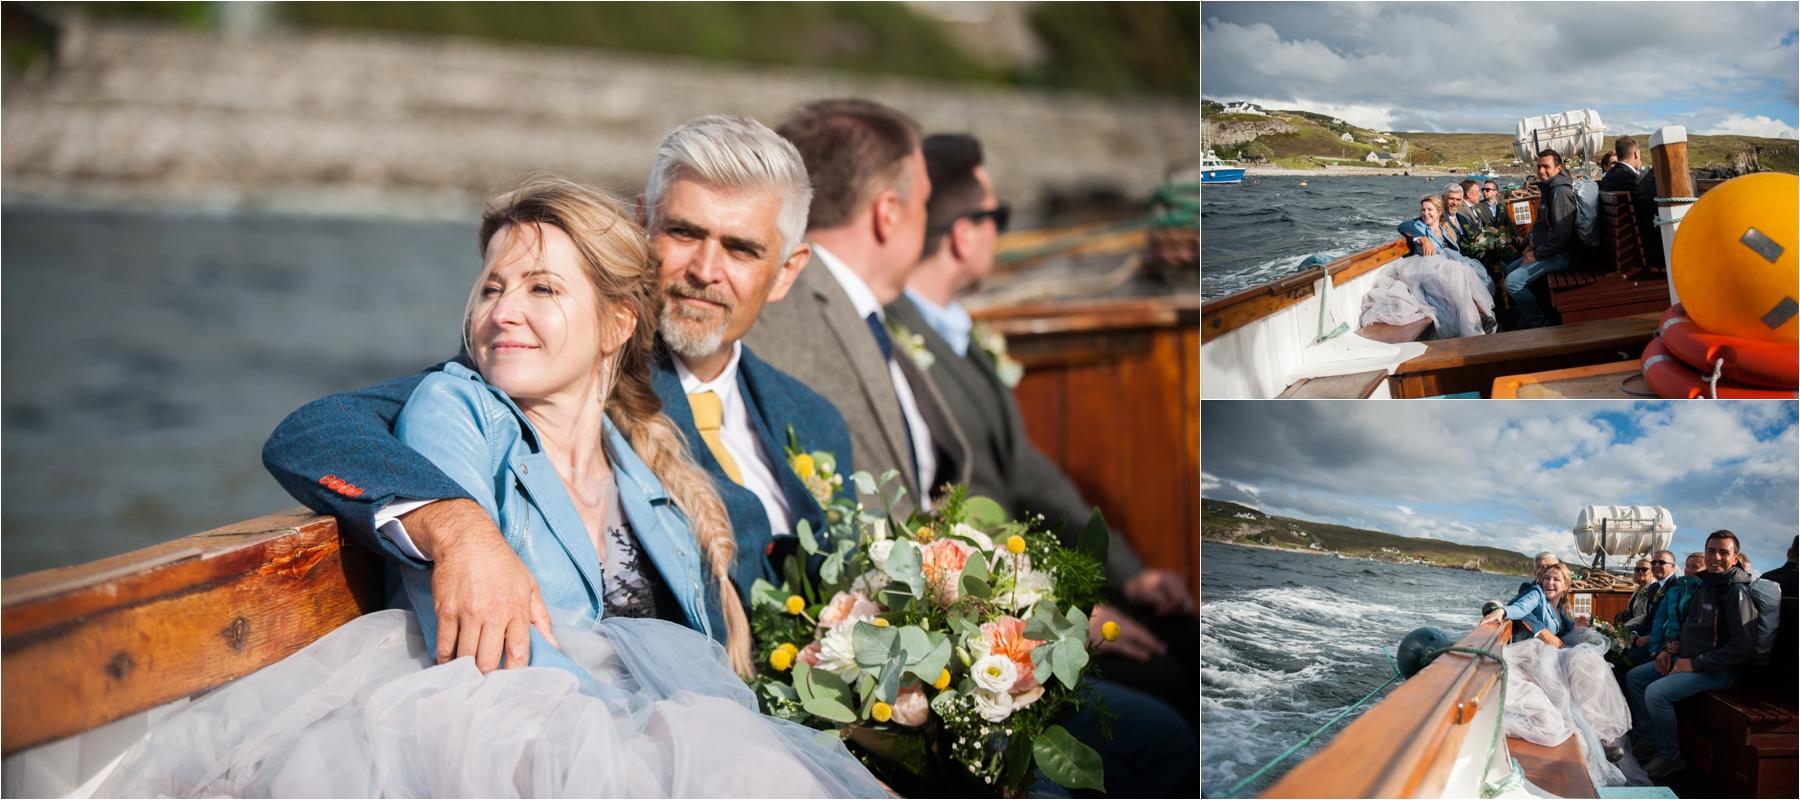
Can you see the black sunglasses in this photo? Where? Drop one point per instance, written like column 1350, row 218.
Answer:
column 1661, row 561
column 1002, row 214
column 1641, row 569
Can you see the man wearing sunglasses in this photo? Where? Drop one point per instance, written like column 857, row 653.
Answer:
column 1158, row 654
column 1662, row 574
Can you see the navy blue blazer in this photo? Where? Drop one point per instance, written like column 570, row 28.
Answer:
column 775, row 401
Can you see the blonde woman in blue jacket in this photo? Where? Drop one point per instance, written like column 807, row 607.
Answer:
column 557, row 433
column 1558, row 681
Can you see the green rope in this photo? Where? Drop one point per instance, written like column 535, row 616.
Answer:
column 1513, row 779
column 1236, row 787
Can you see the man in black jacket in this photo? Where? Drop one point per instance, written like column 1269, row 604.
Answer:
column 1715, row 641
column 1623, row 176
column 1784, row 575
column 1552, row 239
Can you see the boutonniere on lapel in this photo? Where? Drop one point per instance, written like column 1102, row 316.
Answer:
column 991, row 342
column 910, row 343
column 817, row 470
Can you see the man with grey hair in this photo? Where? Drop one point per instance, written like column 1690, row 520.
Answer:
column 728, row 199
column 726, row 207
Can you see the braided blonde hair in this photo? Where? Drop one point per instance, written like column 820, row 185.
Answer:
column 617, row 258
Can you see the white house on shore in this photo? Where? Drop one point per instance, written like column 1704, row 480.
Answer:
column 1381, row 156
column 1244, row 108
column 1347, row 137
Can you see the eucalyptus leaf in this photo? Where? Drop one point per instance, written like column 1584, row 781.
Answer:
column 984, row 512
column 802, row 680
column 976, row 587
column 781, row 691
column 827, row 708
column 832, row 568
column 1067, row 658
column 1040, row 662
column 929, row 667
column 904, row 565
column 890, row 476
column 1078, row 622
column 977, row 567
column 828, row 686
column 873, row 646
column 807, row 542
column 864, row 483
column 888, row 687
column 865, row 688
column 763, row 593
column 915, row 643
column 1067, row 761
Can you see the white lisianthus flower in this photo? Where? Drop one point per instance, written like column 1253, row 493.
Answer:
column 837, row 655
column 995, row 673
column 1029, row 589
column 980, row 539
column 978, row 646
column 994, row 706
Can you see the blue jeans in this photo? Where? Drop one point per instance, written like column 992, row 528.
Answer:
column 1519, row 276
column 1653, row 698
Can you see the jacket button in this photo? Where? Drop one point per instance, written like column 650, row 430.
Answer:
column 524, row 469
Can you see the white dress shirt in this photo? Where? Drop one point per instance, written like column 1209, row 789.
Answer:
column 754, row 465
column 863, row 299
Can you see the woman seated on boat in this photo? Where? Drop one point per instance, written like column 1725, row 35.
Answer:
column 558, row 434
column 1431, row 234
column 1558, row 681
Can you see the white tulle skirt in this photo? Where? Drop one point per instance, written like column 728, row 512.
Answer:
column 1554, row 693
column 363, row 712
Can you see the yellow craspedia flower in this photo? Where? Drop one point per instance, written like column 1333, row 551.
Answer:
column 788, row 646
column 795, row 605
column 882, row 712
column 1109, row 631
column 879, row 622
column 943, row 680
column 923, row 534
column 803, row 464
column 781, row 659
column 1015, row 544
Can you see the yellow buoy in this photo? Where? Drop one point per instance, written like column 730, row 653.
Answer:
column 1734, row 262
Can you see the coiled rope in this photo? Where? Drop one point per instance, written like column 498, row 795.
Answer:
column 1489, row 789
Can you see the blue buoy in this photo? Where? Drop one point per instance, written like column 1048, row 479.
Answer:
column 1418, row 648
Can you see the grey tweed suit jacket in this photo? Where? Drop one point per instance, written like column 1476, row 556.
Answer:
column 815, row 335
column 1007, row 466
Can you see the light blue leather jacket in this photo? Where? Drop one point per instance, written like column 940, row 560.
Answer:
column 478, row 437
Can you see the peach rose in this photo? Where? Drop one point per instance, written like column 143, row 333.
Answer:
column 810, row 654
column 942, row 563
column 847, row 607
column 910, row 707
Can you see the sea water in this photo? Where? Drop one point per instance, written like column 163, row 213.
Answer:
column 1263, row 228
column 1289, row 640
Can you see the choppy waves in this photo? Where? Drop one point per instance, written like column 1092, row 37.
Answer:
column 1262, row 229
column 1287, row 641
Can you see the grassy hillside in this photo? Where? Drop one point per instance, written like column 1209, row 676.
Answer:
column 1314, row 142
column 1229, row 522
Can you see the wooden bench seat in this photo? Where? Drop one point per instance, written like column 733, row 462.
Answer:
column 1395, row 334
column 1356, row 386
column 1742, row 741
column 1559, row 770
column 1471, row 363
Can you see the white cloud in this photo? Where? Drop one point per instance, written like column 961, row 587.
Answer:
column 1405, row 510
column 1759, row 125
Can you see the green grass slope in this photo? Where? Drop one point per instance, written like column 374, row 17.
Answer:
column 1222, row 521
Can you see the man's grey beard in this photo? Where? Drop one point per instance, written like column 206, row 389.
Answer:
column 688, row 335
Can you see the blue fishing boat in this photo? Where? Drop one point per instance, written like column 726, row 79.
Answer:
column 1212, row 170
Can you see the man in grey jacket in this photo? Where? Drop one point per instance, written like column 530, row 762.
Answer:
column 1158, row 655
column 1552, row 239
column 1715, row 642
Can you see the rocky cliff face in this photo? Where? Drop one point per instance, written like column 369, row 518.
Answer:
column 1224, row 135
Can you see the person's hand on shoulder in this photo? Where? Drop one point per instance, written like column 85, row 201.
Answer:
column 485, row 598
column 1160, row 589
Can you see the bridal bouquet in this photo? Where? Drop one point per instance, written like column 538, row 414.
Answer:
column 1490, row 242
column 944, row 647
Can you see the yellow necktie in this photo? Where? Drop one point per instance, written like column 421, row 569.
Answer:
column 709, row 413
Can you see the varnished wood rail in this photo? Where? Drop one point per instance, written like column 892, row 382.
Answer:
column 85, row 645
column 1406, row 744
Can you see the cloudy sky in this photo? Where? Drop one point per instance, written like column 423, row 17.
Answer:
column 1716, row 67
column 1511, row 474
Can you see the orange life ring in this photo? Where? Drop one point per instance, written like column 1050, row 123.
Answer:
column 1747, row 361
column 1671, row 378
